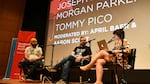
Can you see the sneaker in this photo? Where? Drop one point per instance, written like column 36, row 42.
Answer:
column 51, row 69
column 29, row 79
column 23, row 78
column 61, row 82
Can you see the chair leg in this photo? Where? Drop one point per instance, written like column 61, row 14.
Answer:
column 80, row 79
column 116, row 78
column 20, row 75
column 46, row 78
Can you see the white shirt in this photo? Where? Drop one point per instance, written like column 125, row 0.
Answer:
column 33, row 52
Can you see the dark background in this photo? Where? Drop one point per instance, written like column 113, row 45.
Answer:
column 25, row 15
column 35, row 18
column 32, row 15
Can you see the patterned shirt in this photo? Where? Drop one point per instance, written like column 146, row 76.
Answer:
column 120, row 55
column 30, row 51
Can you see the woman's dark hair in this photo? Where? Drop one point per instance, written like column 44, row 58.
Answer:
column 119, row 33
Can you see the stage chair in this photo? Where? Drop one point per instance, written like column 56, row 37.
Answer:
column 48, row 75
column 77, row 68
column 113, row 67
column 36, row 75
column 131, row 61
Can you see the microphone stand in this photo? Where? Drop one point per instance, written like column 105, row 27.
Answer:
column 46, row 77
column 89, row 79
column 123, row 81
column 114, row 71
column 53, row 45
column 90, row 59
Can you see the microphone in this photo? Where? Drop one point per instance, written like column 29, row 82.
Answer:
column 131, row 20
column 127, row 24
column 91, row 40
column 112, row 39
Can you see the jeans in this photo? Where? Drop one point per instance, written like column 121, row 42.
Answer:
column 26, row 65
column 67, row 63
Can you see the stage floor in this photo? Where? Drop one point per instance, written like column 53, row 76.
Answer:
column 40, row 82
column 132, row 77
column 27, row 82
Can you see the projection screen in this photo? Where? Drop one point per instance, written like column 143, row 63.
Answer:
column 97, row 19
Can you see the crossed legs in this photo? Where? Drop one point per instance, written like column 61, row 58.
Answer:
column 99, row 60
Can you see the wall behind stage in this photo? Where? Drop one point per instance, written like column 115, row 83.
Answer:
column 11, row 18
column 98, row 19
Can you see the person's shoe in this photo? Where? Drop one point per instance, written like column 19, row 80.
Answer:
column 24, row 77
column 61, row 82
column 29, row 79
column 51, row 69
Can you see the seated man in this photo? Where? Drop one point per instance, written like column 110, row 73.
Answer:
column 80, row 53
column 33, row 54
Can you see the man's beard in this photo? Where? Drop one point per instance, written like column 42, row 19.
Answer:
column 34, row 45
column 82, row 43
